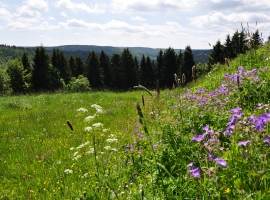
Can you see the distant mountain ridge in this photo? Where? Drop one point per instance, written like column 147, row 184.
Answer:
column 199, row 55
column 11, row 52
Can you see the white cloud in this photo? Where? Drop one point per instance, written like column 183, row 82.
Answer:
column 52, row 18
column 38, row 5
column 67, row 4
column 138, row 18
column 152, row 6
column 64, row 14
column 221, row 21
column 4, row 14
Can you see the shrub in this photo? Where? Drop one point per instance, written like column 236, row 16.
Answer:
column 80, row 84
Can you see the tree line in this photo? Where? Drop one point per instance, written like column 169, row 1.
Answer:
column 238, row 43
column 121, row 72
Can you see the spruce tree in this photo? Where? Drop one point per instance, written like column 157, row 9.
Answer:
column 118, row 74
column 159, row 70
column 169, row 67
column 188, row 63
column 130, row 72
column 41, row 63
column 93, row 71
column 105, row 65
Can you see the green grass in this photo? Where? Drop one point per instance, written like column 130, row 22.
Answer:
column 141, row 151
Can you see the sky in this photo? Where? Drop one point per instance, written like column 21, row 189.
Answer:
column 130, row 23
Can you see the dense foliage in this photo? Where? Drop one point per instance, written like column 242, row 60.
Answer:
column 54, row 72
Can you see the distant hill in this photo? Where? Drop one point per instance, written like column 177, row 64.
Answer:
column 11, row 52
column 83, row 50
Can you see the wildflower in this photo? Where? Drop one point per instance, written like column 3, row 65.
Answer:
column 198, row 138
column 90, row 151
column 83, row 145
column 88, row 129
column 267, row 140
column 107, row 147
column 105, row 130
column 211, row 156
column 85, row 175
column 98, row 108
column 89, row 118
column 71, row 148
column 227, row 190
column 110, row 140
column 195, row 172
column 243, row 143
column 76, row 157
column 191, row 164
column 68, row 171
column 82, row 110
column 221, row 162
column 97, row 125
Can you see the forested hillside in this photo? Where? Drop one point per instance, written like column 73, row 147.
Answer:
column 81, row 68
column 11, row 52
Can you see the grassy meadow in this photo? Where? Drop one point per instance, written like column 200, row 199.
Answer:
column 208, row 140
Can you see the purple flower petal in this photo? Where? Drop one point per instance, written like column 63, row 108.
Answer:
column 243, row 143
column 195, row 172
column 221, row 162
column 198, row 138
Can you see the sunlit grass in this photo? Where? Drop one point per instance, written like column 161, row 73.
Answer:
column 105, row 145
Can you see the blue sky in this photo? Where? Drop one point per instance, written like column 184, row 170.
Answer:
column 129, row 23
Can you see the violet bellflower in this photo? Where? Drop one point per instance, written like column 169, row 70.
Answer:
column 221, row 162
column 243, row 143
column 194, row 171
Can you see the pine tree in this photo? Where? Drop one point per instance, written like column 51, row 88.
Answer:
column 159, row 70
column 80, row 68
column 118, row 80
column 93, row 71
column 72, row 66
column 169, row 67
column 59, row 61
column 235, row 44
column 150, row 72
column 143, row 71
column 40, row 69
column 105, row 65
column 228, row 51
column 188, row 63
column 130, row 72
column 217, row 53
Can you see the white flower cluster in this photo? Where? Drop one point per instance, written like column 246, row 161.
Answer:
column 84, row 110
column 83, row 145
column 112, row 138
column 97, row 125
column 68, row 171
column 98, row 108
column 91, row 151
column 88, row 118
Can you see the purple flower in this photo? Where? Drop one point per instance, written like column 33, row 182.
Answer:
column 243, row 143
column 198, row 138
column 221, row 162
column 267, row 140
column 235, row 110
column 211, row 156
column 191, row 164
column 195, row 172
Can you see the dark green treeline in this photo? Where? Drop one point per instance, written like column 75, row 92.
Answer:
column 119, row 72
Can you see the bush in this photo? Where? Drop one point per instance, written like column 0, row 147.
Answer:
column 5, row 87
column 80, row 84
